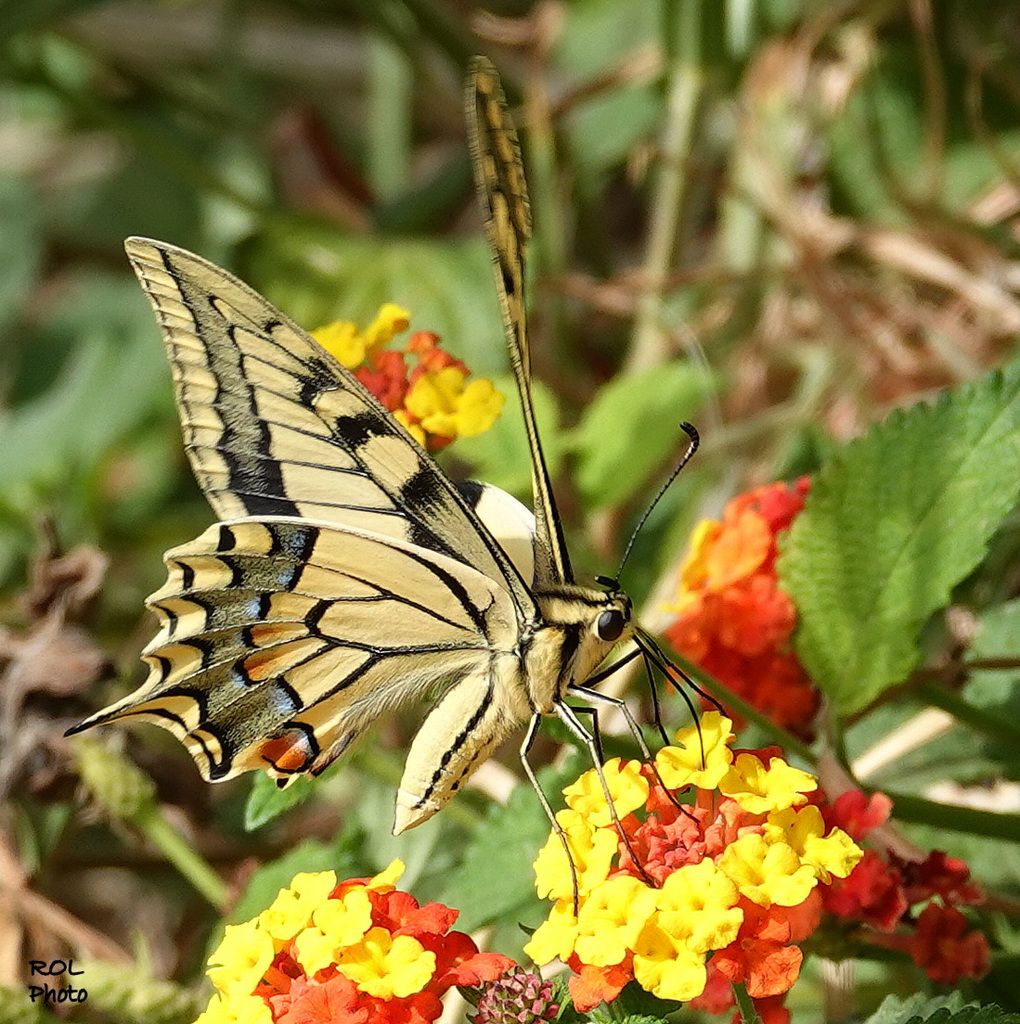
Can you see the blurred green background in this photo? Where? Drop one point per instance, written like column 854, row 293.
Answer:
column 776, row 218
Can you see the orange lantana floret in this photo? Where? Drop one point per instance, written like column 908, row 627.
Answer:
column 732, row 619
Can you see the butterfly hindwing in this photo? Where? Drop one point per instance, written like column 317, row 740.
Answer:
column 282, row 640
column 274, row 425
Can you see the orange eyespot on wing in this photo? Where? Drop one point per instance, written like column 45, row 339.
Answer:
column 291, row 753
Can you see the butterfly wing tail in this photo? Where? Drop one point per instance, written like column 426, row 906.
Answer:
column 503, row 190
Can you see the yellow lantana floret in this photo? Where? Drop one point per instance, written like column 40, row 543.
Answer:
column 241, row 958
column 386, row 965
column 236, row 1010
column 700, row 756
column 591, row 852
column 627, row 787
column 758, row 789
column 449, row 407
column 336, row 924
column 833, row 854
column 555, row 936
column 697, row 906
column 386, row 880
column 390, row 321
column 293, row 906
column 666, row 967
column 351, row 347
column 611, row 918
column 767, row 873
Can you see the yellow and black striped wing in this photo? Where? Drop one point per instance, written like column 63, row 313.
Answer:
column 499, row 175
column 275, row 426
column 281, row 641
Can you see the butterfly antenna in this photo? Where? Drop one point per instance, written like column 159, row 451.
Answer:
column 695, row 441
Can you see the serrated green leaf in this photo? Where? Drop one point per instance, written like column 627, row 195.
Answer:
column 918, row 1009
column 891, row 525
column 631, row 426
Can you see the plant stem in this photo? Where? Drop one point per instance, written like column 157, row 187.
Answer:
column 970, row 820
column 183, row 856
column 389, row 124
column 995, row 725
column 748, row 1014
column 684, row 83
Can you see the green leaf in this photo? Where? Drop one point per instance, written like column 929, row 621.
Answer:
column 941, row 1010
column 632, row 426
column 998, row 691
column 603, row 131
column 20, row 246
column 893, row 522
column 446, row 286
column 113, row 376
column 504, row 848
column 267, row 801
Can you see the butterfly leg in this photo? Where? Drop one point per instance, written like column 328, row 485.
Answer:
column 529, row 741
column 585, row 693
column 656, row 707
column 568, row 716
column 595, row 734
column 594, row 697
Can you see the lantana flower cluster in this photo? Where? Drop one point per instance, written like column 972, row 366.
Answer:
column 350, row 953
column 735, row 622
column 908, row 903
column 731, row 617
column 434, row 399
column 722, row 865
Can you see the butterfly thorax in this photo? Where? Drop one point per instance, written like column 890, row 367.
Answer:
column 577, row 628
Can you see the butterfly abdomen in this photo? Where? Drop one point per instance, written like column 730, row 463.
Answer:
column 463, row 728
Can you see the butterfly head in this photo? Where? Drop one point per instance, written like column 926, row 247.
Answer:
column 615, row 618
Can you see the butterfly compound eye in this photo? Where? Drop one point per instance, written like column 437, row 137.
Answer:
column 610, row 625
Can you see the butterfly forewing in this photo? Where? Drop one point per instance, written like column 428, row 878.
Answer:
column 349, row 576
column 273, row 425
